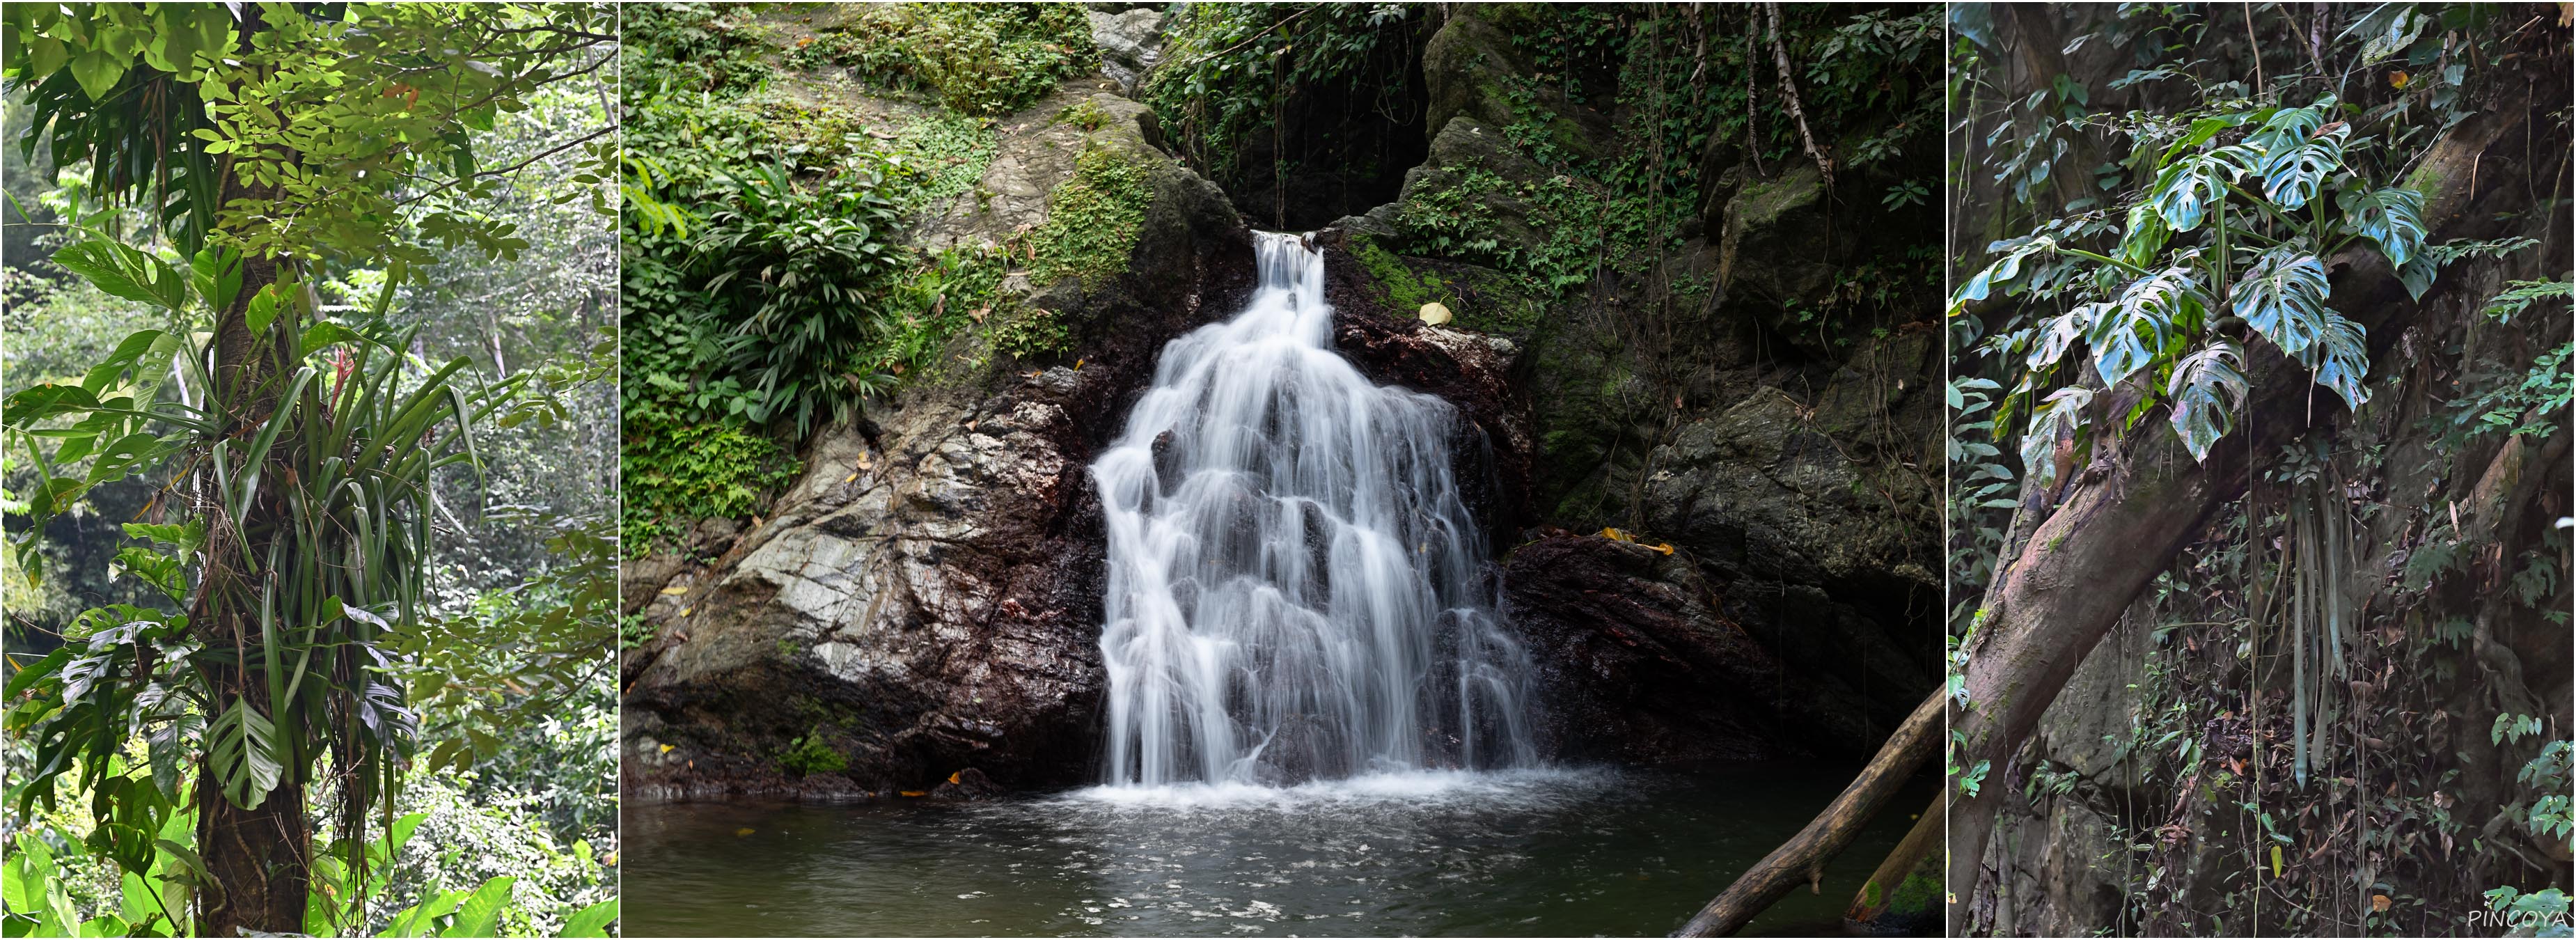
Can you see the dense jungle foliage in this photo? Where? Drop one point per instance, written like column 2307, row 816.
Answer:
column 2348, row 706
column 758, row 316
column 769, row 279
column 432, row 707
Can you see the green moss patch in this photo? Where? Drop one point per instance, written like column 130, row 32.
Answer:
column 1092, row 220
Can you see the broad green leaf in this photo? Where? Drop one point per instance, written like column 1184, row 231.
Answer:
column 323, row 335
column 2417, row 274
column 2341, row 358
column 2061, row 416
column 2144, row 238
column 2128, row 335
column 2207, row 388
column 2393, row 217
column 264, row 307
column 2187, row 191
column 216, row 275
column 45, row 55
column 41, row 402
column 242, row 746
column 591, row 921
column 2002, row 271
column 2202, row 131
column 2058, row 334
column 98, row 70
column 480, row 913
column 2292, row 176
column 2283, row 297
column 122, row 271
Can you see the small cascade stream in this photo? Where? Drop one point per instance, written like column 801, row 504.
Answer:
column 1297, row 591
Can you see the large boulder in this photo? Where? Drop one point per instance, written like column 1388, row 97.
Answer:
column 1638, row 662
column 1130, row 41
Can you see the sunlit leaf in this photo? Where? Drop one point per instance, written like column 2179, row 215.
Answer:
column 2061, row 416
column 2058, row 334
column 2142, row 321
column 2393, row 217
column 2283, row 297
column 1997, row 274
column 2207, row 388
column 2191, row 188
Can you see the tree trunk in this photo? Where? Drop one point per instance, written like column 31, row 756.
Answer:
column 1904, row 896
column 2088, row 560
column 260, row 858
column 1801, row 861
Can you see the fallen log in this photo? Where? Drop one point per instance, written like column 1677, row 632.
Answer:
column 1802, row 859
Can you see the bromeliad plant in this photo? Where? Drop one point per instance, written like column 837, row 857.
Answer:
column 2227, row 247
column 314, row 512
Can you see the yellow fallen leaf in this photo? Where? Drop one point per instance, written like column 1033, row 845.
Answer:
column 1077, row 365
column 675, row 589
column 2378, row 902
column 914, row 792
column 952, row 778
column 608, row 859
column 1615, row 535
column 744, row 831
column 849, row 478
column 667, row 748
column 685, row 611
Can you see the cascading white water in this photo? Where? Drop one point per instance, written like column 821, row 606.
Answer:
column 1296, row 588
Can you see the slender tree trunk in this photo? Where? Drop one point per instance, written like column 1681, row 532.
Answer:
column 1801, row 861
column 2090, row 558
column 1904, row 896
column 259, row 858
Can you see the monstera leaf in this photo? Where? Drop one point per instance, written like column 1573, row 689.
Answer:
column 2283, row 297
column 2297, row 154
column 2145, row 236
column 2207, row 388
column 2058, row 334
column 242, row 747
column 2002, row 271
column 2128, row 333
column 2341, row 358
column 2061, row 415
column 2190, row 189
column 2393, row 217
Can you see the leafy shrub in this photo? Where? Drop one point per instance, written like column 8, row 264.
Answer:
column 810, row 755
column 678, row 472
column 976, row 59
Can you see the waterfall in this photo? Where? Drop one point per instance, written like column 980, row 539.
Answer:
column 1297, row 590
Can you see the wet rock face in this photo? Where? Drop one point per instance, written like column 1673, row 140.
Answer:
column 928, row 597
column 1639, row 663
column 1130, row 41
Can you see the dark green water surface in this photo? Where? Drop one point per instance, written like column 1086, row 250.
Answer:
column 1543, row 853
